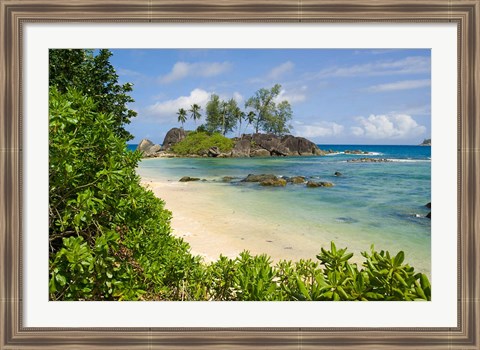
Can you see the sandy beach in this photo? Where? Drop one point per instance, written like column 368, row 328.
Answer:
column 213, row 227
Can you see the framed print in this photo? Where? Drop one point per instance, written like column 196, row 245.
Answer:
column 428, row 48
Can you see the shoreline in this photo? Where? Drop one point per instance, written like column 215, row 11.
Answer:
column 219, row 218
column 213, row 229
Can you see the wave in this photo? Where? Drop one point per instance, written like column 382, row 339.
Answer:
column 409, row 160
column 355, row 154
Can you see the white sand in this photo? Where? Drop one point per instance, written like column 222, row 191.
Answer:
column 212, row 227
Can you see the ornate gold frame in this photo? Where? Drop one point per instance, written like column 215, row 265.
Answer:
column 14, row 14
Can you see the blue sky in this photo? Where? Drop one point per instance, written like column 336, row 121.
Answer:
column 339, row 96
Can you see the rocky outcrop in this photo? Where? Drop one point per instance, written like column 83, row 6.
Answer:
column 265, row 145
column 172, row 137
column 337, row 173
column 251, row 145
column 260, row 153
column 426, row 142
column 300, row 146
column 148, row 148
column 319, row 184
column 241, row 148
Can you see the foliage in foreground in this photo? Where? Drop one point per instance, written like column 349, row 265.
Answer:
column 382, row 277
column 198, row 142
column 109, row 237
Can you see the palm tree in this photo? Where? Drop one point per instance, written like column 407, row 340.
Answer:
column 250, row 119
column 195, row 112
column 182, row 116
column 240, row 115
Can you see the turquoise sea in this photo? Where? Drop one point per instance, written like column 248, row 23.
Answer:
column 371, row 203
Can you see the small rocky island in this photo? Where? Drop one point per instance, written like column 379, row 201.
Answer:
column 248, row 145
column 426, row 142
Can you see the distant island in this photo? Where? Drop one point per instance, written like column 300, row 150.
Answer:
column 426, row 142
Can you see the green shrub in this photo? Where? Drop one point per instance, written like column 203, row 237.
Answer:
column 198, row 142
column 110, row 238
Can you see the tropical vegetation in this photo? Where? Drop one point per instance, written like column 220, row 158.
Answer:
column 262, row 112
column 199, row 142
column 110, row 238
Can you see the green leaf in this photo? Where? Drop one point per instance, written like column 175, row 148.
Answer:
column 399, row 258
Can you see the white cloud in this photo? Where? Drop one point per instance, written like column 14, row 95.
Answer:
column 238, row 97
column 292, row 96
column 400, row 85
column 408, row 65
column 182, row 70
column 396, row 126
column 319, row 129
column 165, row 111
column 280, row 70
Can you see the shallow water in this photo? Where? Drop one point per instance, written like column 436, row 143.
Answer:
column 371, row 203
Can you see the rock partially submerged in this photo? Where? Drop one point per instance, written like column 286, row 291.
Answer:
column 277, row 182
column 188, row 179
column 356, row 151
column 259, row 178
column 319, row 184
column 296, row 180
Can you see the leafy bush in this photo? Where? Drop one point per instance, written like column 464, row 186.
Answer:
column 333, row 278
column 198, row 142
column 109, row 237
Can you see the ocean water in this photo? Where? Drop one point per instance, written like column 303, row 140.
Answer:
column 371, row 203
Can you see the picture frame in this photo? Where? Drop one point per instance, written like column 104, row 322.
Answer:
column 15, row 14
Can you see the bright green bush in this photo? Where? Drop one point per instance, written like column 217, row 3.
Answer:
column 198, row 142
column 109, row 237
column 249, row 277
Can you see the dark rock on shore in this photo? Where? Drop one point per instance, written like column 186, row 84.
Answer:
column 188, row 178
column 266, row 145
column 227, row 178
column 241, row 148
column 428, row 205
column 260, row 153
column 148, row 148
column 429, row 215
column 319, row 184
column 300, row 146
